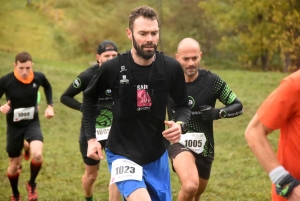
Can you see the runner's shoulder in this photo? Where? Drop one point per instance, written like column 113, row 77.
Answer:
column 38, row 74
column 7, row 76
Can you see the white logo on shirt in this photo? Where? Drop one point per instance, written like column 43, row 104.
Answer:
column 123, row 68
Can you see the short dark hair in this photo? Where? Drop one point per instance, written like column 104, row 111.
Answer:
column 145, row 11
column 23, row 57
column 106, row 45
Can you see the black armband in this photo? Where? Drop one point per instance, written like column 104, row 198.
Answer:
column 232, row 110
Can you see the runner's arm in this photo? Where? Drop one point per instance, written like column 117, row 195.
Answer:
column 97, row 85
column 233, row 106
column 233, row 109
column 47, row 90
column 67, row 98
column 78, row 85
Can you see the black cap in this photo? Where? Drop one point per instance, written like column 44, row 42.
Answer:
column 106, row 45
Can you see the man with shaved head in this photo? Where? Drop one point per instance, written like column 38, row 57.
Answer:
column 203, row 89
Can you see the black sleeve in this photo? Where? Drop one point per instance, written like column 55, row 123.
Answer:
column 77, row 86
column 178, row 93
column 234, row 109
column 97, row 85
column 1, row 87
column 225, row 95
column 47, row 90
column 170, row 111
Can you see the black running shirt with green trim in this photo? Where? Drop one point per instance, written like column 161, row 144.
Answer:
column 206, row 90
column 104, row 119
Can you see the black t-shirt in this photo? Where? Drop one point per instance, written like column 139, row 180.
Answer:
column 23, row 95
column 139, row 107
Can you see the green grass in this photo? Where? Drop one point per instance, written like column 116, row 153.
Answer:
column 236, row 175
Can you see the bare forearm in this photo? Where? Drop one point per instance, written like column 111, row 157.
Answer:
column 256, row 136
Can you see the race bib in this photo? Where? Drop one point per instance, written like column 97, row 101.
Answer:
column 193, row 141
column 123, row 169
column 23, row 114
column 102, row 133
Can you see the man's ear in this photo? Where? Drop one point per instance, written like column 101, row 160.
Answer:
column 97, row 57
column 129, row 33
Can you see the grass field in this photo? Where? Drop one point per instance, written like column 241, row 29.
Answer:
column 236, row 175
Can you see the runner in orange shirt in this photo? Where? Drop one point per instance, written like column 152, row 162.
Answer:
column 281, row 110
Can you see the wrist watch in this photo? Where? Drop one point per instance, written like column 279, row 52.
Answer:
column 222, row 114
column 183, row 127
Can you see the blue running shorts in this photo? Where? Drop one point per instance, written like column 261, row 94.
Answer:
column 156, row 178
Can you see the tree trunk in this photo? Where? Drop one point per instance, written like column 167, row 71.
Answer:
column 287, row 61
column 265, row 60
column 297, row 61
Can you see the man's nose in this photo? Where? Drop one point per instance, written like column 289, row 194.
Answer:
column 190, row 62
column 149, row 38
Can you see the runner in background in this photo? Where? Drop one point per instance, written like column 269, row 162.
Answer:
column 106, row 50
column 20, row 88
column 204, row 88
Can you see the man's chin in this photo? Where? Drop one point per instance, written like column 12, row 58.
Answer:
column 148, row 55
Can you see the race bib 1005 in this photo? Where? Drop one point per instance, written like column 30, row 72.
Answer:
column 193, row 141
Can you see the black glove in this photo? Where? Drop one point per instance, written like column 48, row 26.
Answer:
column 209, row 113
column 285, row 186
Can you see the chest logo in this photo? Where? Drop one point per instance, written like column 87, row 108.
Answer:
column 108, row 92
column 191, row 101
column 123, row 68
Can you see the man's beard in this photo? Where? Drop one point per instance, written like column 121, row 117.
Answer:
column 140, row 52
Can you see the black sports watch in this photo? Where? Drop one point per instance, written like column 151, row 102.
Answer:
column 222, row 114
column 183, row 127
